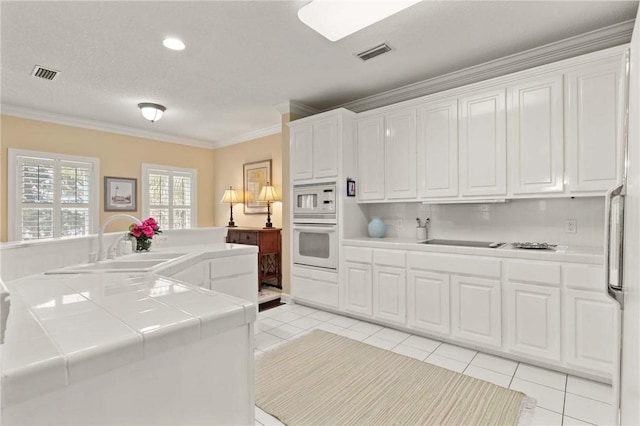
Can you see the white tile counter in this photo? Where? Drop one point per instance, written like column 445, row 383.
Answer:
column 575, row 254
column 67, row 331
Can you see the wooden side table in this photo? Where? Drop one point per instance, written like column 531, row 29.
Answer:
column 269, row 244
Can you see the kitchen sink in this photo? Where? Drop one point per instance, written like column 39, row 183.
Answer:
column 152, row 255
column 139, row 262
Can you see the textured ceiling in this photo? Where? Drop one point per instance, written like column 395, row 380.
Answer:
column 244, row 57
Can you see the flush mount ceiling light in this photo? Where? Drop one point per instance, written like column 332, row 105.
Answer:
column 151, row 112
column 335, row 19
column 173, row 43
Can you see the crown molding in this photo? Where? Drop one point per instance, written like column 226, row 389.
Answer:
column 592, row 41
column 260, row 133
column 50, row 117
column 294, row 107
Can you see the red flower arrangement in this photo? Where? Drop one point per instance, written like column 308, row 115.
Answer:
column 144, row 232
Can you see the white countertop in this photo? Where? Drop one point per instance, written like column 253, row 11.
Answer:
column 577, row 254
column 66, row 328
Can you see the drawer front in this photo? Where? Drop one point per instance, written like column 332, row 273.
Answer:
column 389, row 258
column 534, row 272
column 357, row 254
column 248, row 238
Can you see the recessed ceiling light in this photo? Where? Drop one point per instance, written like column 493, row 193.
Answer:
column 337, row 19
column 173, row 43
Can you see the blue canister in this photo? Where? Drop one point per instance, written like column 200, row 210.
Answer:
column 376, row 228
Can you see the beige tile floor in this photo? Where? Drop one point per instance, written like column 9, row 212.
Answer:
column 561, row 399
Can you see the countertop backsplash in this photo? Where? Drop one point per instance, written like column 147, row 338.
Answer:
column 538, row 220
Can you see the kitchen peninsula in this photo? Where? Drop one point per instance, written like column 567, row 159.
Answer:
column 133, row 347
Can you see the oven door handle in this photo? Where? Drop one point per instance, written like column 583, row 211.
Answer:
column 315, row 227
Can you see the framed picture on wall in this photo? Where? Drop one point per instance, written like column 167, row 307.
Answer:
column 256, row 175
column 120, row 194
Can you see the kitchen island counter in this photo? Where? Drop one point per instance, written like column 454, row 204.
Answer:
column 67, row 333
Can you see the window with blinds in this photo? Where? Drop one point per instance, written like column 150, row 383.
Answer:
column 169, row 196
column 53, row 195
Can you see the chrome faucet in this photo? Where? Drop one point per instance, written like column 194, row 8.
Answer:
column 102, row 253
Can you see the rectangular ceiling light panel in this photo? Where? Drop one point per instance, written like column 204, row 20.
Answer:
column 336, row 19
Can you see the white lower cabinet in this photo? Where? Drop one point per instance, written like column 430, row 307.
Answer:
column 428, row 301
column 358, row 288
column 532, row 300
column 533, row 320
column 314, row 286
column 546, row 312
column 389, row 294
column 476, row 310
column 590, row 330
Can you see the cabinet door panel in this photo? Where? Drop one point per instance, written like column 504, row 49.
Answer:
column 591, row 327
column 428, row 301
column 358, row 288
column 483, row 159
column 400, row 155
column 389, row 294
column 371, row 159
column 325, row 149
column 536, row 140
column 592, row 128
column 476, row 312
column 533, row 324
column 302, row 153
column 437, row 149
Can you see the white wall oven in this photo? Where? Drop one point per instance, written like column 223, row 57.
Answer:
column 315, row 228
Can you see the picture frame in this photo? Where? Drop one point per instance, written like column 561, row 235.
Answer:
column 351, row 187
column 255, row 176
column 120, row 194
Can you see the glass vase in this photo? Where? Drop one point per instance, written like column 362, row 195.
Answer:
column 143, row 245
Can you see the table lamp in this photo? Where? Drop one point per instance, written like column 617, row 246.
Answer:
column 230, row 196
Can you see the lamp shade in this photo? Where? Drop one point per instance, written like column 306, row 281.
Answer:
column 151, row 112
column 268, row 193
column 230, row 196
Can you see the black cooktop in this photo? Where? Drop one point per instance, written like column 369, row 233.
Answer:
column 461, row 243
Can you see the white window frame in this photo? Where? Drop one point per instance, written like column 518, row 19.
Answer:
column 146, row 167
column 13, row 193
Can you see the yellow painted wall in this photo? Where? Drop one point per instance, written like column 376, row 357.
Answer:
column 228, row 171
column 119, row 155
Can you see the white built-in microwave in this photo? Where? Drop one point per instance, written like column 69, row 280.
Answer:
column 316, row 202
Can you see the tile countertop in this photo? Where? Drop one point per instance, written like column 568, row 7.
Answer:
column 576, row 254
column 66, row 328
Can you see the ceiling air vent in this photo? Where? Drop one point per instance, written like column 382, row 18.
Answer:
column 44, row 73
column 373, row 52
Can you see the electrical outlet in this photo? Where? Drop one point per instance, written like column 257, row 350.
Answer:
column 571, row 226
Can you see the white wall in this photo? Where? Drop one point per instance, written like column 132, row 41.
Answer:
column 517, row 220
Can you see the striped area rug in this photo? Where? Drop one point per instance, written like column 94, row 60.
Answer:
column 326, row 379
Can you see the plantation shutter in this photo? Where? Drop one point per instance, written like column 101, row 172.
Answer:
column 170, row 197
column 54, row 197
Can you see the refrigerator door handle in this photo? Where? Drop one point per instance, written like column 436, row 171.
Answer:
column 614, row 240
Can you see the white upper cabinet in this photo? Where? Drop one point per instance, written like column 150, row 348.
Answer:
column 325, row 148
column 318, row 144
column 400, row 154
column 302, row 153
column 437, row 149
column 371, row 158
column 483, row 144
column 592, row 127
column 536, row 143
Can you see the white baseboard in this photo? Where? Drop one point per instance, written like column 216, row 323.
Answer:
column 286, row 298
